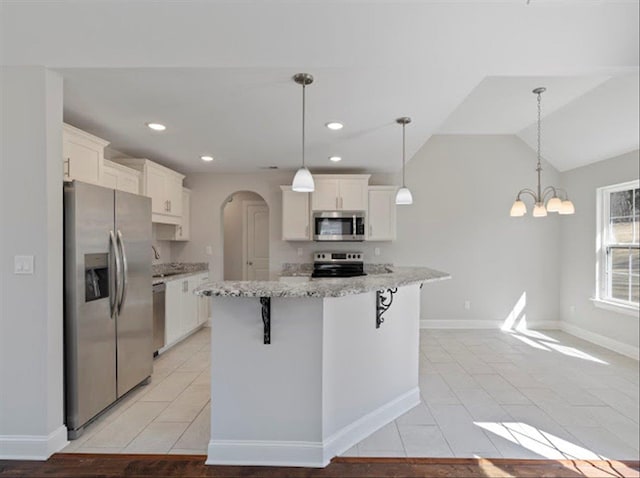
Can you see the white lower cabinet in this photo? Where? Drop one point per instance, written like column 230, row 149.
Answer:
column 183, row 309
column 204, row 302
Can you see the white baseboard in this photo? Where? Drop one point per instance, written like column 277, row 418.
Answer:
column 309, row 454
column 357, row 431
column 32, row 447
column 483, row 324
column 601, row 340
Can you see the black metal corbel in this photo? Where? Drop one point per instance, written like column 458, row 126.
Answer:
column 265, row 302
column 383, row 303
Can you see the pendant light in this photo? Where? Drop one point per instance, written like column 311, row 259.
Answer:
column 303, row 180
column 403, row 196
column 555, row 203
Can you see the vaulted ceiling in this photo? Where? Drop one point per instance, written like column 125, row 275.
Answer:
column 218, row 74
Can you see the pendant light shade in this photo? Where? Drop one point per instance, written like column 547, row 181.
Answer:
column 403, row 196
column 303, row 180
column 567, row 207
column 518, row 209
column 554, row 204
column 539, row 195
column 539, row 210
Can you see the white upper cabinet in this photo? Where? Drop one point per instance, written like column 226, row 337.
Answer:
column 382, row 213
column 83, row 155
column 326, row 196
column 295, row 215
column 120, row 177
column 180, row 231
column 162, row 185
column 340, row 192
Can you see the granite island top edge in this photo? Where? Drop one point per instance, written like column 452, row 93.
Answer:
column 322, row 287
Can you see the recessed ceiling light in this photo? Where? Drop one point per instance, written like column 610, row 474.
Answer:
column 206, row 158
column 156, row 126
column 335, row 159
column 334, row 125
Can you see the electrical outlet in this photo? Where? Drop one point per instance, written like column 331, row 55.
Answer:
column 300, row 252
column 23, row 265
column 467, row 305
column 572, row 309
column 376, row 251
column 209, row 250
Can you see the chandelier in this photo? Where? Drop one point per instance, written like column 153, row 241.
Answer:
column 558, row 199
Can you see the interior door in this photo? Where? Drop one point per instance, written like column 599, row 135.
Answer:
column 257, row 242
column 135, row 313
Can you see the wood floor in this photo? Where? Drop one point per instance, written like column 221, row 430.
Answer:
column 192, row 466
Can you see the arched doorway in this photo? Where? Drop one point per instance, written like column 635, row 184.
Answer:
column 245, row 237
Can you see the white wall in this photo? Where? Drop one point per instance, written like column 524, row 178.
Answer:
column 579, row 250
column 31, row 321
column 233, row 220
column 463, row 187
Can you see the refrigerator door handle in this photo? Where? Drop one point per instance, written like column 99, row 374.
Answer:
column 125, row 273
column 113, row 298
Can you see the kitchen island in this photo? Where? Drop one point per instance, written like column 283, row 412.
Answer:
column 300, row 372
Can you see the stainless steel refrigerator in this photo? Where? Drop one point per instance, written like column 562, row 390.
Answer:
column 108, row 298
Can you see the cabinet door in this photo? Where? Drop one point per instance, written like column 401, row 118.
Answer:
column 81, row 161
column 203, row 302
column 156, row 190
column 174, row 194
column 325, row 196
column 353, row 195
column 382, row 214
column 295, row 216
column 189, row 304
column 183, row 229
column 109, row 177
column 173, row 311
column 128, row 182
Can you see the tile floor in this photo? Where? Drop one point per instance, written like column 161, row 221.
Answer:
column 485, row 393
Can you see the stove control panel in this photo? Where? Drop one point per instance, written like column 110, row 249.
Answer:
column 338, row 257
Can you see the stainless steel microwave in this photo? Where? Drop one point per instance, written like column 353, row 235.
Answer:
column 338, row 226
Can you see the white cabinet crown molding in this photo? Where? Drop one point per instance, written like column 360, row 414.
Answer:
column 72, row 130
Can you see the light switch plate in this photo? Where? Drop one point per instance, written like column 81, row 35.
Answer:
column 209, row 250
column 23, row 265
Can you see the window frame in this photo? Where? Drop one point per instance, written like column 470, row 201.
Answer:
column 603, row 297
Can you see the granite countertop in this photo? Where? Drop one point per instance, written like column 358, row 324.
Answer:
column 169, row 271
column 322, row 287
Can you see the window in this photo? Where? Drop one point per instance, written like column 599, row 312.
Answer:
column 619, row 244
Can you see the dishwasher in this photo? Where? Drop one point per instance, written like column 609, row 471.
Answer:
column 158, row 317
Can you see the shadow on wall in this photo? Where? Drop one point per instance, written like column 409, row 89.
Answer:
column 245, row 230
